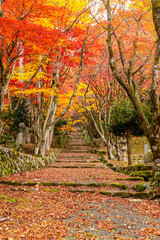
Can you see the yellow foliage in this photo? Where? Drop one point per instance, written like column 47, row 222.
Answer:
column 47, row 91
column 144, row 5
column 26, row 72
column 91, row 107
column 76, row 5
column 45, row 22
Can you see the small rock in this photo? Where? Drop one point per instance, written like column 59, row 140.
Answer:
column 4, row 219
column 34, row 189
column 15, row 189
column 135, row 200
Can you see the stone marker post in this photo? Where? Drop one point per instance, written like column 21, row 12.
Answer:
column 123, row 143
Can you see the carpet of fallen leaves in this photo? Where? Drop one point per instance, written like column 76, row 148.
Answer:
column 55, row 213
column 57, row 174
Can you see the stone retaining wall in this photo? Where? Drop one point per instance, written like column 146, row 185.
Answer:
column 149, row 173
column 12, row 161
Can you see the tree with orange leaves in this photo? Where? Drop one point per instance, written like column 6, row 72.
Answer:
column 54, row 40
column 17, row 28
column 130, row 28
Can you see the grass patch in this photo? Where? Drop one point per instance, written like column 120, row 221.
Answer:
column 139, row 187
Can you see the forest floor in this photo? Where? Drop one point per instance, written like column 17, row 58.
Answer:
column 65, row 201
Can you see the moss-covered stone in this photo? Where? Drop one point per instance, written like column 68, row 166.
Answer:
column 145, row 174
column 153, row 194
column 100, row 184
column 29, row 183
column 121, row 194
column 110, row 164
column 51, row 183
column 135, row 179
column 142, row 167
column 107, row 193
column 13, row 183
column 139, row 187
column 157, row 180
column 145, row 195
column 148, row 157
column 50, row 190
column 133, row 168
column 12, row 161
column 72, row 184
column 121, row 186
column 81, row 190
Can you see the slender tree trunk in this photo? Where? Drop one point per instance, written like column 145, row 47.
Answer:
column 117, row 148
column 51, row 135
column 47, row 143
column 109, row 150
column 36, row 145
column 156, row 15
column 42, row 147
column 151, row 131
column 2, row 95
column 129, row 147
column 27, row 135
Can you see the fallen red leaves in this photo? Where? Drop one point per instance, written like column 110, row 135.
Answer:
column 38, row 214
column 54, row 213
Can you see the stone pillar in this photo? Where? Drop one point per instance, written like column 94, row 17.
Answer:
column 123, row 143
column 146, row 148
column 147, row 154
column 20, row 135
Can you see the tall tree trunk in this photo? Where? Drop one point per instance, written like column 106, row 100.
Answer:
column 156, row 15
column 109, row 150
column 129, row 147
column 51, row 136
column 47, row 143
column 36, row 145
column 151, row 131
column 42, row 147
column 117, row 149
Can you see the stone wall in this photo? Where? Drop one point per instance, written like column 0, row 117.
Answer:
column 147, row 172
column 12, row 161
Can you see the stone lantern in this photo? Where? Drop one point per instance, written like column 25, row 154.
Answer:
column 123, row 143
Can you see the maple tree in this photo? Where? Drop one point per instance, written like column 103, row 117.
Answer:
column 156, row 15
column 96, row 97
column 45, row 72
column 20, row 36
column 131, row 58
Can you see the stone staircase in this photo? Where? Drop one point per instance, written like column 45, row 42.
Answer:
column 78, row 154
column 77, row 169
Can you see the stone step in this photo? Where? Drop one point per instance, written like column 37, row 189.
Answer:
column 76, row 166
column 125, row 194
column 78, row 148
column 75, row 151
column 79, row 156
column 76, row 161
column 75, row 134
column 94, row 185
column 77, row 144
column 76, row 137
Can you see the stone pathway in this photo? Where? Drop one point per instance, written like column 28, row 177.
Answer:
column 82, row 188
column 111, row 218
